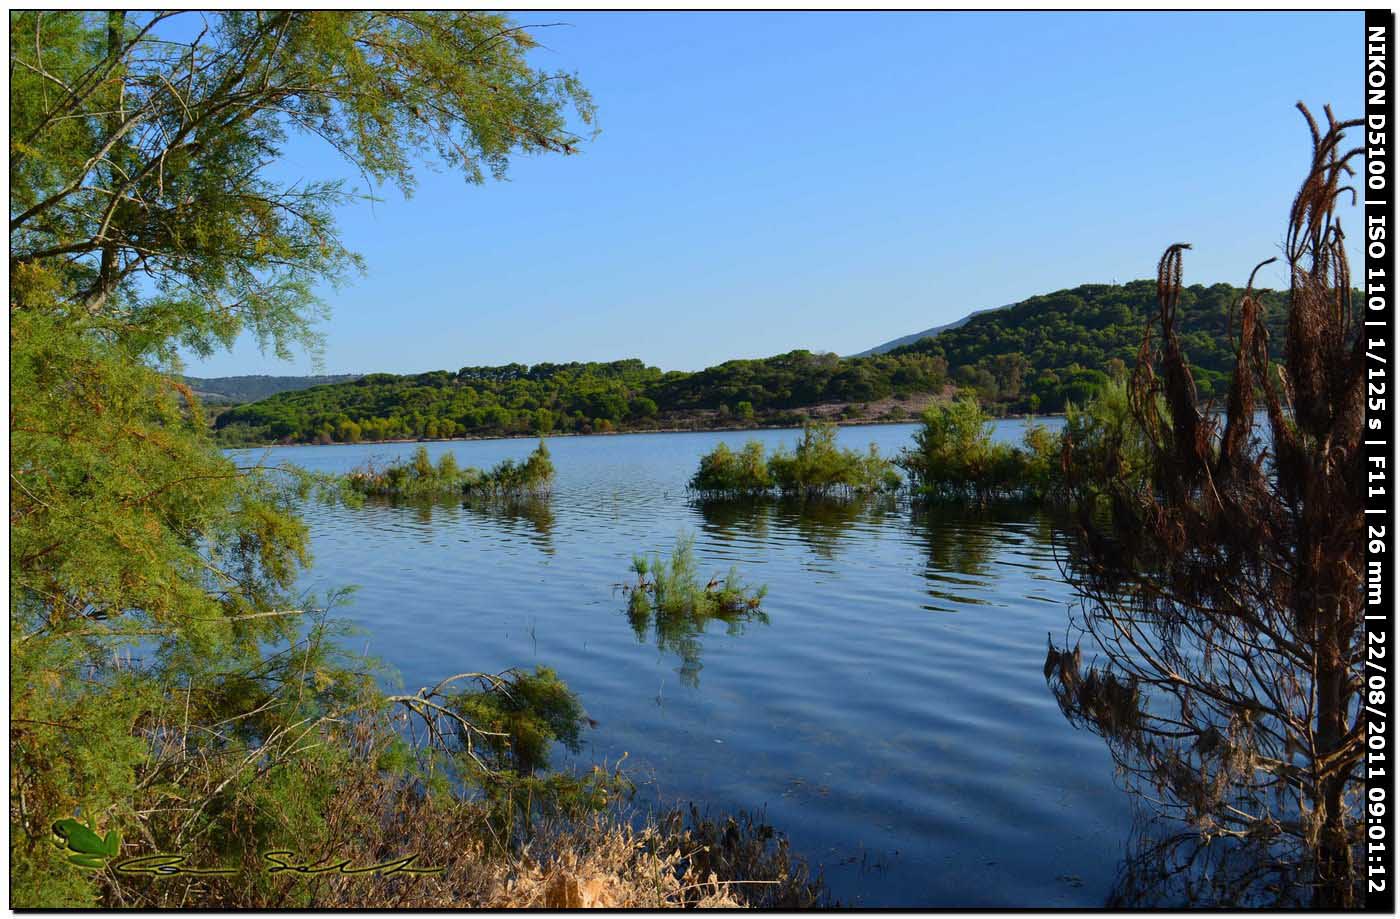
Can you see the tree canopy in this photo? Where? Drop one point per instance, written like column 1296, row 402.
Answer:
column 146, row 564
column 140, row 147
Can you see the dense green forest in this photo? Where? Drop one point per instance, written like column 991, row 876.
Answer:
column 1037, row 355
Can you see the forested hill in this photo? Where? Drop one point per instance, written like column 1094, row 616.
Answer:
column 253, row 388
column 1033, row 355
column 1048, row 341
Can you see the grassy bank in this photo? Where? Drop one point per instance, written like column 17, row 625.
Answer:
column 349, row 809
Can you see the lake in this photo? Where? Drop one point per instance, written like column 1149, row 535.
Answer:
column 891, row 717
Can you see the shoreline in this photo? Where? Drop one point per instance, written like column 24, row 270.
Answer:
column 848, row 423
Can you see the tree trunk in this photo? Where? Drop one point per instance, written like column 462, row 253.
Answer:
column 1334, row 888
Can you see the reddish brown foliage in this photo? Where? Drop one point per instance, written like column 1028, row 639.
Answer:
column 1223, row 589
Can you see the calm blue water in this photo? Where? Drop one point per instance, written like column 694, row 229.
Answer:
column 892, row 717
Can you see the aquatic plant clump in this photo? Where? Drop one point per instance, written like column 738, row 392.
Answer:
column 669, row 597
column 510, row 479
column 954, row 458
column 419, row 478
column 815, row 467
column 723, row 472
column 520, row 717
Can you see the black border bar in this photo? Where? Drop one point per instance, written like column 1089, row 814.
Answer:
column 1379, row 332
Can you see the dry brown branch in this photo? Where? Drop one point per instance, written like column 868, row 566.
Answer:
column 1221, row 590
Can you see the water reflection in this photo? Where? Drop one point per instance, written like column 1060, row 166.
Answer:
column 422, row 511
column 967, row 550
column 822, row 524
column 680, row 634
column 1171, row 866
column 530, row 518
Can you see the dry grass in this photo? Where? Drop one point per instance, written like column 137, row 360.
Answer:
column 612, row 859
column 681, row 860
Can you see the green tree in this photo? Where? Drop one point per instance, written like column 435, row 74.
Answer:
column 144, row 219
column 135, row 156
column 544, row 421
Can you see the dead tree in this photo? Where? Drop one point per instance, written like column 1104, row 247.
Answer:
column 1221, row 585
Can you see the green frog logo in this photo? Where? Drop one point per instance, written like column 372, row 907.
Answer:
column 88, row 850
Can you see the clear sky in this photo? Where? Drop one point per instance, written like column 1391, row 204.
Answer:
column 829, row 181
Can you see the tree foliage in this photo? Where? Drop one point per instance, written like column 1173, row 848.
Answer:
column 139, row 157
column 166, row 682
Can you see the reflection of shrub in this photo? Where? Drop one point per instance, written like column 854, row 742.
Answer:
column 815, row 467
column 419, row 478
column 669, row 596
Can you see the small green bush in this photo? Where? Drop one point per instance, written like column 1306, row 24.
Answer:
column 816, row 467
column 668, row 596
column 1105, row 443
column 954, row 458
column 724, row 472
column 509, row 479
column 419, row 478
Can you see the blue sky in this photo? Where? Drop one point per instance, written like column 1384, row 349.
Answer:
column 764, row 182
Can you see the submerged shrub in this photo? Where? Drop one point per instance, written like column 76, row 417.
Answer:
column 816, row 467
column 414, row 478
column 1105, row 443
column 515, row 721
column 524, row 714
column 509, row 479
column 954, row 457
column 419, row 478
column 724, row 472
column 669, row 597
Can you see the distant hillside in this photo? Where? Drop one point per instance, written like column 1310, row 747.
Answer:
column 1035, row 355
column 889, row 346
column 1057, row 346
column 253, row 388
